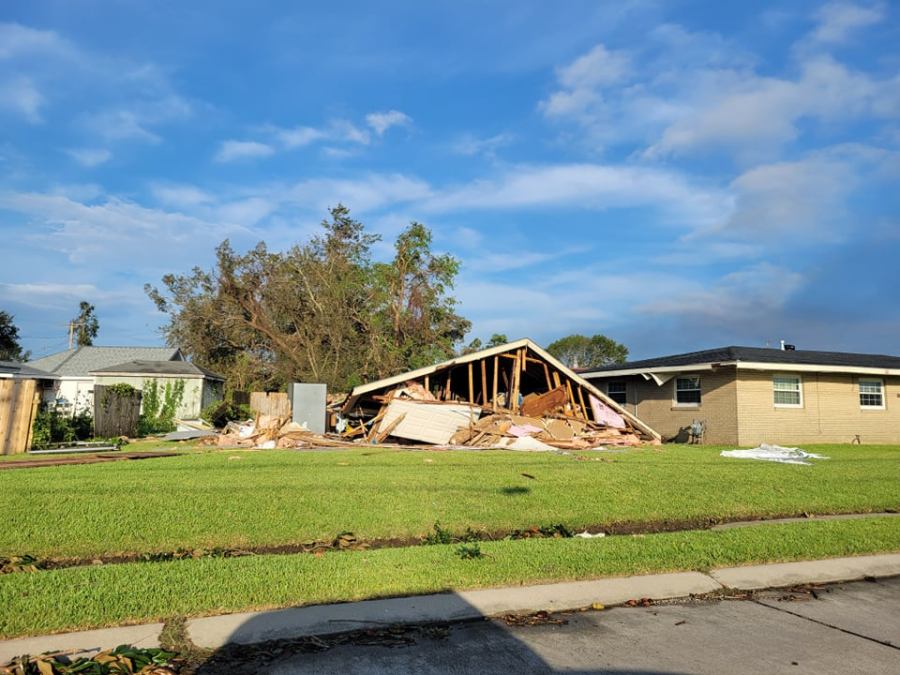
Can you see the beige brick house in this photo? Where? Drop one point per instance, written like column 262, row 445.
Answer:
column 751, row 395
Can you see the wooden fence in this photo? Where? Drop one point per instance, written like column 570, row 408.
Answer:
column 19, row 400
column 272, row 403
column 115, row 414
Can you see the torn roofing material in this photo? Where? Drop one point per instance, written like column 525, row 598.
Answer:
column 487, row 378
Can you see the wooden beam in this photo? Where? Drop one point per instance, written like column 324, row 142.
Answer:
column 556, row 379
column 584, row 409
column 514, row 394
column 484, row 389
column 447, row 385
column 496, row 375
column 522, row 359
column 471, row 385
column 547, row 375
column 571, row 397
column 427, row 384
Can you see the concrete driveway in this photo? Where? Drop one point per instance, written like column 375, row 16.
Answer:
column 845, row 628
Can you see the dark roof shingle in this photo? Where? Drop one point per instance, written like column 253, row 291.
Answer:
column 140, row 367
column 760, row 355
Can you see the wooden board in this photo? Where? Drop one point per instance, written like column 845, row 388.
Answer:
column 274, row 403
column 17, row 409
column 427, row 422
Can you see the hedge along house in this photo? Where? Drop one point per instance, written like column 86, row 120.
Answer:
column 201, row 387
column 751, row 395
column 74, row 384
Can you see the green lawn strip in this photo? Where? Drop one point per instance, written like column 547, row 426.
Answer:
column 89, row 597
column 242, row 499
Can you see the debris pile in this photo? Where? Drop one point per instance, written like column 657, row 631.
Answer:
column 514, row 396
column 267, row 432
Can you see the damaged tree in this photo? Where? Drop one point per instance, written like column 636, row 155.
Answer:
column 514, row 395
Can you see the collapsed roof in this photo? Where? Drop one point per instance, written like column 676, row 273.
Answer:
column 511, row 378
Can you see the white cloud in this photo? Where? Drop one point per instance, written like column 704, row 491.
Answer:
column 344, row 130
column 366, row 194
column 589, row 186
column 181, row 196
column 752, row 293
column 53, row 295
column 114, row 229
column 469, row 145
column 597, row 68
column 837, row 21
column 21, row 96
column 298, row 137
column 756, row 115
column 230, row 151
column 382, row 121
column 90, row 157
column 791, row 200
column 17, row 40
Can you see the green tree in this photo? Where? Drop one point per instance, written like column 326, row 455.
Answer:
column 497, row 339
column 580, row 351
column 85, row 325
column 10, row 348
column 321, row 311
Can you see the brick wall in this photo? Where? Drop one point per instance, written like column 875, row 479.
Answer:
column 655, row 405
column 830, row 412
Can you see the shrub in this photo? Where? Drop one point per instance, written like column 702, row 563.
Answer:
column 221, row 413
column 52, row 425
column 159, row 407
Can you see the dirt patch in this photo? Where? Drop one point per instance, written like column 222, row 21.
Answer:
column 93, row 459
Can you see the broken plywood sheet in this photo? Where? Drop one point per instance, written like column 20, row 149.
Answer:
column 606, row 415
column 538, row 404
column 428, row 422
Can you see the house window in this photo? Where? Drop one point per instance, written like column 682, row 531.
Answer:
column 617, row 391
column 687, row 391
column 787, row 390
column 871, row 394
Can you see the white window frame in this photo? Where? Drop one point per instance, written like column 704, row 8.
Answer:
column 624, row 383
column 699, row 389
column 799, row 379
column 859, row 391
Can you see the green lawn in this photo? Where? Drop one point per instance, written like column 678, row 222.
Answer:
column 235, row 499
column 88, row 597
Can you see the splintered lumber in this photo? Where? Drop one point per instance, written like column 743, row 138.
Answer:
column 496, row 375
column 538, row 404
column 447, row 385
column 514, row 394
column 583, row 406
column 384, row 433
column 484, row 389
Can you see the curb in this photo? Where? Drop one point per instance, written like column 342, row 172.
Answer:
column 84, row 642
column 250, row 627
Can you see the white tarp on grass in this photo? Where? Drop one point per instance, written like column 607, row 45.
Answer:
column 774, row 453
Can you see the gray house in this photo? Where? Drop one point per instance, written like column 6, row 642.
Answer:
column 74, row 384
column 201, row 386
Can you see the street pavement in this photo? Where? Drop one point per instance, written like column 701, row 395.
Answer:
column 841, row 628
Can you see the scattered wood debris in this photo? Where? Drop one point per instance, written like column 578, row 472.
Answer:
column 515, row 396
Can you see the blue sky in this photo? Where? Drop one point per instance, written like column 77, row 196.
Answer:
column 677, row 175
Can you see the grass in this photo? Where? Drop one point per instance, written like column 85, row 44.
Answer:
column 90, row 597
column 244, row 499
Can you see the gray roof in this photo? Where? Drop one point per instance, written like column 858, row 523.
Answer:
column 760, row 355
column 82, row 361
column 24, row 371
column 140, row 367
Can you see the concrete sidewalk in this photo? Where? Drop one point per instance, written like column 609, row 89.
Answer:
column 250, row 627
